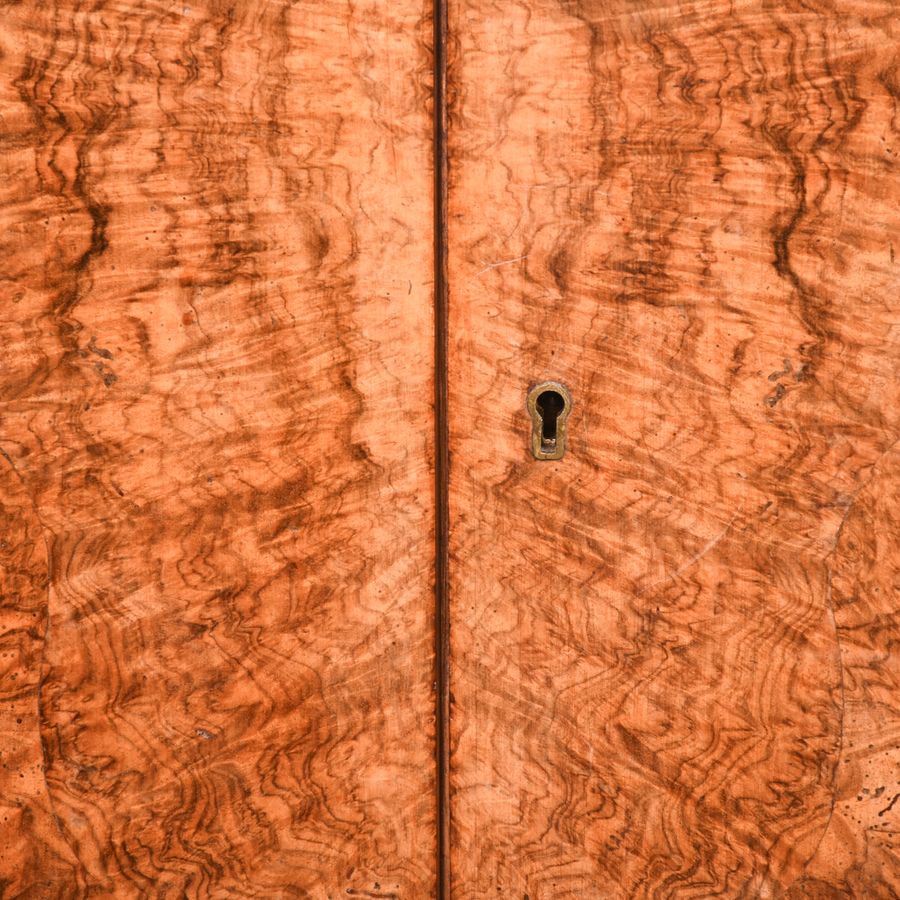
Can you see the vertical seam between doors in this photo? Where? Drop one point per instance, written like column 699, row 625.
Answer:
column 441, row 452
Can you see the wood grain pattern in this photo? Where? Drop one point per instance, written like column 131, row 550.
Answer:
column 674, row 653
column 216, row 630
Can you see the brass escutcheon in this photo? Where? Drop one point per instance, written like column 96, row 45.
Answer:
column 549, row 404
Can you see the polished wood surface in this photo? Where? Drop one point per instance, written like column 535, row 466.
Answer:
column 216, row 628
column 674, row 652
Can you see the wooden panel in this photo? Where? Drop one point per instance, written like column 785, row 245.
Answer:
column 217, row 619
column 674, row 662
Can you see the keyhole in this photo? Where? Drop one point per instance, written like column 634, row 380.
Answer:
column 550, row 404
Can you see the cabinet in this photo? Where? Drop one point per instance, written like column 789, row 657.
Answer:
column 290, row 608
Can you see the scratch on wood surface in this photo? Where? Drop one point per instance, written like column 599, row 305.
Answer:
column 503, row 262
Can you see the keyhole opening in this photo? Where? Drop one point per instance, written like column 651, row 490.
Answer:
column 549, row 404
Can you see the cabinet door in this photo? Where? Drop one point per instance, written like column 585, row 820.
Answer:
column 216, row 628
column 674, row 651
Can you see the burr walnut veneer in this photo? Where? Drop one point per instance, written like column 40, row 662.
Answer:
column 674, row 653
column 217, row 443
column 288, row 606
